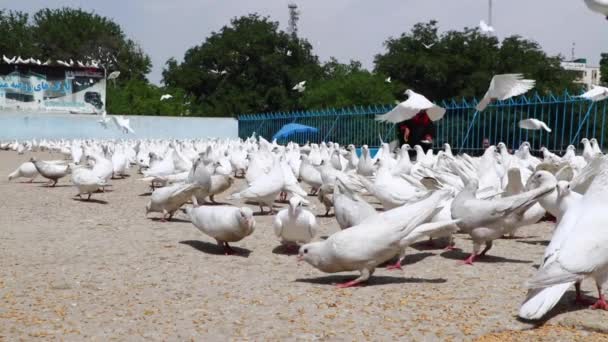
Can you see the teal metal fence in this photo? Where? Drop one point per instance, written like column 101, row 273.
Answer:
column 570, row 118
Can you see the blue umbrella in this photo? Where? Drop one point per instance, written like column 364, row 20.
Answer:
column 293, row 128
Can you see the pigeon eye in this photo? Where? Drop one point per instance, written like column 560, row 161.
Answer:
column 537, row 176
column 305, row 251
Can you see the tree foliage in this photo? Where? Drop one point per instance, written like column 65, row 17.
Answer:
column 139, row 97
column 461, row 63
column 604, row 68
column 345, row 85
column 247, row 66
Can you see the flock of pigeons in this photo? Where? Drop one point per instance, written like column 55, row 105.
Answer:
column 433, row 196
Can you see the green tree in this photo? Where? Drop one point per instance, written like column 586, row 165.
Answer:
column 461, row 63
column 248, row 66
column 137, row 96
column 346, row 85
column 68, row 33
column 604, row 68
column 16, row 35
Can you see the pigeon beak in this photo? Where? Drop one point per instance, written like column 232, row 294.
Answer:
column 300, row 258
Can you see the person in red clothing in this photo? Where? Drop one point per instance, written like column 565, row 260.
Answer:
column 418, row 130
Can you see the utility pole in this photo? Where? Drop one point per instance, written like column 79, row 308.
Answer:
column 490, row 12
column 573, row 49
column 294, row 16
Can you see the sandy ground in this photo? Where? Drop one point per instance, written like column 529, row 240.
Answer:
column 101, row 270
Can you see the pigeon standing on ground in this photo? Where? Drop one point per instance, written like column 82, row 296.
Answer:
column 219, row 184
column 349, row 208
column 487, row 220
column 25, row 170
column 169, row 199
column 223, row 223
column 85, row 180
column 52, row 172
column 295, row 225
column 578, row 250
column 365, row 246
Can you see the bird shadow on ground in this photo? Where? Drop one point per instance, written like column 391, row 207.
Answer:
column 174, row 219
column 38, row 182
column 428, row 245
column 212, row 203
column 265, row 213
column 326, row 216
column 145, row 194
column 56, row 186
column 566, row 304
column 414, row 258
column 284, row 250
column 214, row 249
column 92, row 200
column 460, row 255
column 536, row 242
column 373, row 281
column 409, row 259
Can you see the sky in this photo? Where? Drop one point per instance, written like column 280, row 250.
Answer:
column 345, row 29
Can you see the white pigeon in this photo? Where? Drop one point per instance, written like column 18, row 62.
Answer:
column 388, row 80
column 365, row 164
column 264, row 189
column 533, row 124
column 288, row 53
column 412, row 106
column 50, row 171
column 200, row 176
column 578, row 250
column 487, row 220
column 295, row 225
column 310, row 175
column 365, row 246
column 599, row 6
column 85, row 180
column 300, row 87
column 223, row 223
column 428, row 46
column 169, row 199
column 485, row 28
column 596, row 93
column 558, row 201
column 166, row 97
column 219, row 184
column 595, row 146
column 349, row 208
column 503, row 87
column 104, row 121
column 122, row 123
column 25, row 170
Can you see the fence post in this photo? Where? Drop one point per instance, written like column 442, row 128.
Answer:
column 582, row 123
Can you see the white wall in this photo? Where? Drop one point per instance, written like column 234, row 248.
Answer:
column 20, row 125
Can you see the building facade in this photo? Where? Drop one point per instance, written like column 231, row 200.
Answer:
column 587, row 75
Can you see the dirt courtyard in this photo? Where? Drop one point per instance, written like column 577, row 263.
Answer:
column 100, row 270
